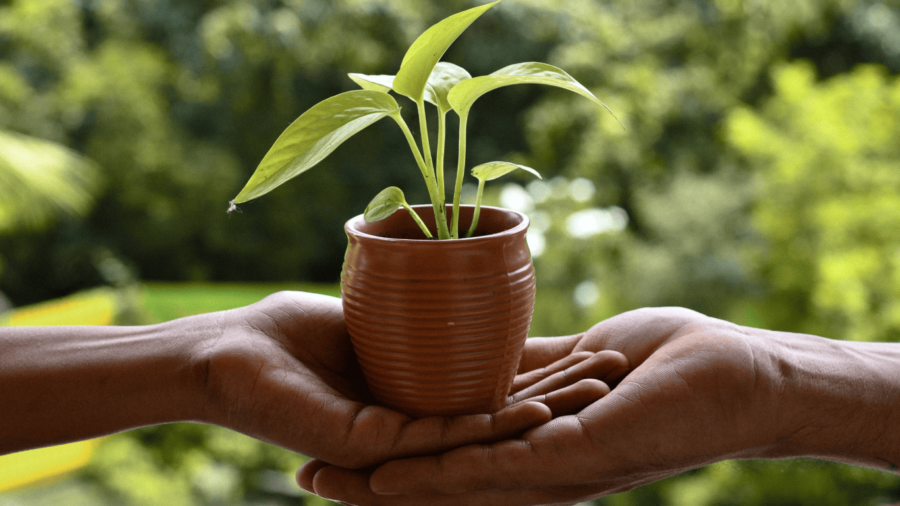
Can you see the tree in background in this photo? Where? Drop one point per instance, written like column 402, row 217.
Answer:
column 826, row 164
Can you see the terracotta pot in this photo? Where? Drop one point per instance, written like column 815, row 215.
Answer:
column 439, row 326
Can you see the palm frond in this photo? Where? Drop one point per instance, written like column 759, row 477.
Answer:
column 41, row 180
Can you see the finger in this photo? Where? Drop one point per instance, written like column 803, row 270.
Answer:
column 543, row 351
column 306, row 473
column 607, row 366
column 375, row 441
column 573, row 398
column 333, row 483
column 352, row 487
column 452, row 468
column 546, row 456
column 638, row 333
column 523, row 381
column 356, row 435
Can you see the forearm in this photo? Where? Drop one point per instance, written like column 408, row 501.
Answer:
column 65, row 384
column 841, row 400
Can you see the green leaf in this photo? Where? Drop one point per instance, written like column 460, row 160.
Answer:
column 385, row 204
column 380, row 83
column 443, row 78
column 492, row 170
column 463, row 95
column 314, row 135
column 427, row 50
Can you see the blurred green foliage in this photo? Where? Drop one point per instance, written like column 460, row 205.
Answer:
column 757, row 180
column 39, row 180
column 826, row 165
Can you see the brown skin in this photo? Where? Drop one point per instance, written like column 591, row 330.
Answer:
column 281, row 370
column 701, row 390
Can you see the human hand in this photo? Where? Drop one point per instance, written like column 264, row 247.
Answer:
column 565, row 386
column 283, row 371
column 700, row 390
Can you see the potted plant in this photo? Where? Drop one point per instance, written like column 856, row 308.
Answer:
column 438, row 321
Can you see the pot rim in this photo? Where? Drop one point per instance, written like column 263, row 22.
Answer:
column 350, row 227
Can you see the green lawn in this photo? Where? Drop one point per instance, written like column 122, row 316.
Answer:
column 168, row 301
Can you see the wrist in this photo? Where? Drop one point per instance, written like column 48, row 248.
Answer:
column 190, row 340
column 840, row 400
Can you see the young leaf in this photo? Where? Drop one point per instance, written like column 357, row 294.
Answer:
column 443, row 78
column 384, row 204
column 380, row 83
column 488, row 172
column 314, row 135
column 492, row 170
column 427, row 50
column 463, row 95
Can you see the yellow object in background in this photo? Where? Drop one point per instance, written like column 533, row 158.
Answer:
column 44, row 464
column 94, row 307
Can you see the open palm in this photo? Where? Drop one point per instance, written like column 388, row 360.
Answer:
column 695, row 394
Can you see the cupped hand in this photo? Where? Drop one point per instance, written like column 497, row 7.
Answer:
column 699, row 390
column 283, row 370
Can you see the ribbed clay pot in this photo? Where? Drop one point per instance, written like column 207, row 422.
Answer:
column 439, row 327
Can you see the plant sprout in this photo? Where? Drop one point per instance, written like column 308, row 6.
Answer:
column 385, row 203
column 488, row 172
column 422, row 78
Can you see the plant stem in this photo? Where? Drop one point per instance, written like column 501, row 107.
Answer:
column 439, row 168
column 460, row 170
column 439, row 213
column 419, row 222
column 423, row 131
column 477, row 208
